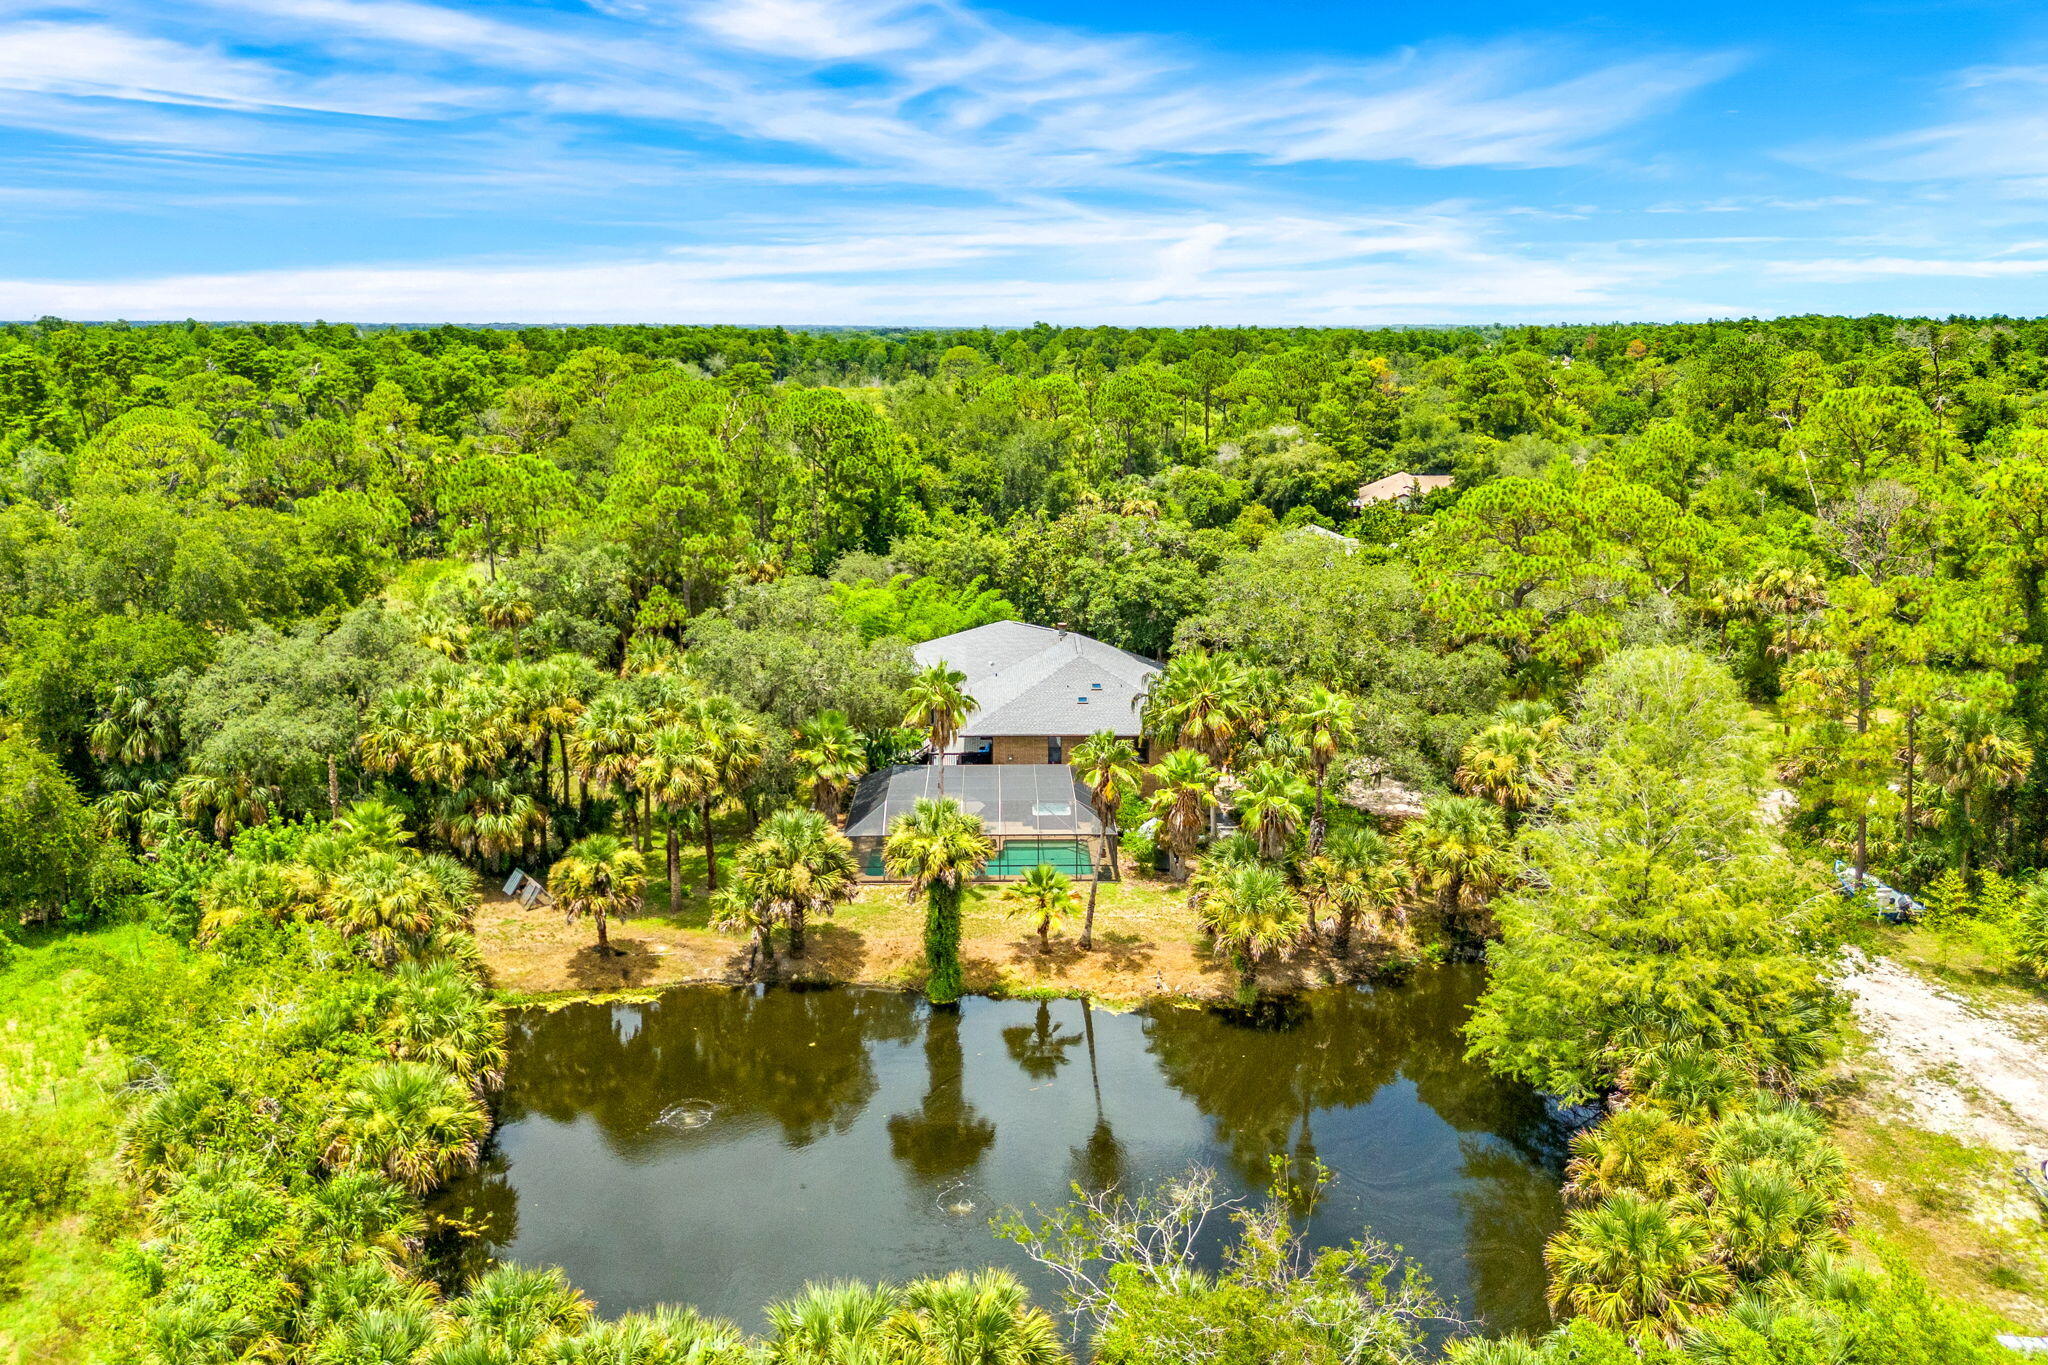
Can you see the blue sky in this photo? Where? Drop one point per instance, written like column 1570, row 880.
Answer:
column 900, row 161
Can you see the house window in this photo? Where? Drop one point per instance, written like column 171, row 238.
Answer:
column 1052, row 749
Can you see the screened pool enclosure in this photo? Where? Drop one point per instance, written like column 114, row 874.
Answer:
column 1034, row 812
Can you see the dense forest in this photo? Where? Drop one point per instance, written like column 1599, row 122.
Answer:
column 303, row 628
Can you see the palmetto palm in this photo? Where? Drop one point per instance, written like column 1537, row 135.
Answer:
column 938, row 704
column 1198, row 701
column 600, row 876
column 1252, row 911
column 437, row 1014
column 828, row 1323
column 384, row 899
column 1633, row 1263
column 373, row 824
column 236, row 800
column 664, row 1335
column 938, row 847
column 1109, row 765
column 1354, row 875
column 983, row 1318
column 1045, row 894
column 1272, row 801
column 1767, row 1222
column 416, row 1122
column 519, row 1308
column 1326, row 724
column 131, row 729
column 1508, row 764
column 396, row 1332
column 1457, row 846
column 1972, row 752
column 1183, row 791
column 830, row 758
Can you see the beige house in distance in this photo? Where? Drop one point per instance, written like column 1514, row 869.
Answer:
column 1403, row 488
column 1039, row 691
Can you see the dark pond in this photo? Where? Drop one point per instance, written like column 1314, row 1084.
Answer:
column 720, row 1147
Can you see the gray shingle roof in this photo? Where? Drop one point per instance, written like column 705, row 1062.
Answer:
column 1034, row 680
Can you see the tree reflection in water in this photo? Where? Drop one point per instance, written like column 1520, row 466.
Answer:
column 944, row 1138
column 798, row 1121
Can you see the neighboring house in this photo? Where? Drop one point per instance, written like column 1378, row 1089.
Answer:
column 1038, row 691
column 1035, row 813
column 1404, row 488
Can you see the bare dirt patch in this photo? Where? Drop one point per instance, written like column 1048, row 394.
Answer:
column 1955, row 1068
column 1147, row 946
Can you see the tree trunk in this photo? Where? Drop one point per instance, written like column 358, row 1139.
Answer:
column 674, row 838
column 764, row 947
column 1088, row 920
column 1344, row 933
column 604, row 942
column 333, row 788
column 1116, row 857
column 1316, row 824
column 710, row 852
column 1044, row 930
column 942, row 943
column 796, row 930
column 1912, row 764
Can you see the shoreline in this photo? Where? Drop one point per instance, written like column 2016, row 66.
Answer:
column 1148, row 951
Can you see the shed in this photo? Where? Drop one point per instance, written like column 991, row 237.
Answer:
column 1034, row 812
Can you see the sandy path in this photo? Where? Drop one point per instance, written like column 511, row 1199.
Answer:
column 1957, row 1069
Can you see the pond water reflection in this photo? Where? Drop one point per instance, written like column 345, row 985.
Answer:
column 720, row 1147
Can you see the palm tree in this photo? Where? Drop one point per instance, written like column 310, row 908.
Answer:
column 735, row 748
column 1509, row 764
column 1272, row 801
column 1632, row 1263
column 677, row 772
column 801, row 865
column 1183, row 791
column 1971, row 753
column 1768, row 1222
column 830, row 758
column 1045, row 894
column 1251, row 910
column 374, row 824
column 938, row 847
column 415, row 1122
column 938, row 706
column 1354, row 875
column 601, row 875
column 1458, row 845
column 1326, row 724
column 1109, row 765
column 1198, row 701
column 606, row 747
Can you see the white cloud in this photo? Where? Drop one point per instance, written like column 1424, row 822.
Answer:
column 969, row 267
column 1849, row 269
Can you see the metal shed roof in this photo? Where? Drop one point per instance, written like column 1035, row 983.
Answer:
column 1014, row 800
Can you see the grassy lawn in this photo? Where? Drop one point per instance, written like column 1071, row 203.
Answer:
column 62, row 1201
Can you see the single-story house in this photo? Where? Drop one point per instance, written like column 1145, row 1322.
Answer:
column 1404, row 488
column 1039, row 691
column 1034, row 812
